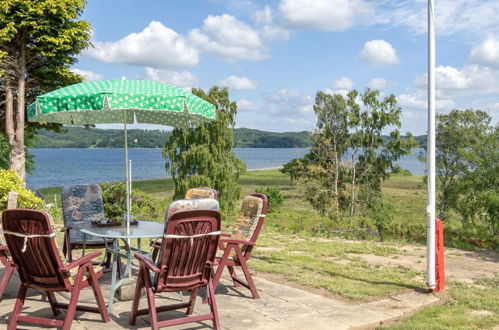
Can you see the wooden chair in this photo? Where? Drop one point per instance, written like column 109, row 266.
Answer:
column 9, row 267
column 237, row 246
column 185, row 263
column 181, row 205
column 82, row 203
column 30, row 237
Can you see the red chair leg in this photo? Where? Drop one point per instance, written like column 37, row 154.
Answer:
column 53, row 303
column 233, row 274
column 5, row 279
column 247, row 274
column 94, row 283
column 192, row 301
column 17, row 308
column 75, row 294
column 213, row 305
column 136, row 298
column 221, row 266
column 150, row 301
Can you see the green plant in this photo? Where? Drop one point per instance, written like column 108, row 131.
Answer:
column 274, row 195
column 114, row 198
column 10, row 181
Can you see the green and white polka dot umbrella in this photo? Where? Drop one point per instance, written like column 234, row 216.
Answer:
column 99, row 102
column 121, row 101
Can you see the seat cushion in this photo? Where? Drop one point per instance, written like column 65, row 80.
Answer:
column 248, row 219
column 73, row 272
column 191, row 204
column 200, row 193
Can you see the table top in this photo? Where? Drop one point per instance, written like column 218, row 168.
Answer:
column 144, row 229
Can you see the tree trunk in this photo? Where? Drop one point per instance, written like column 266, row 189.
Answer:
column 15, row 119
column 352, row 194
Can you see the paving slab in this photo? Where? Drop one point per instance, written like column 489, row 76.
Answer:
column 281, row 307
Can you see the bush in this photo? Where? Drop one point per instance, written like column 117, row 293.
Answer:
column 10, row 181
column 275, row 197
column 397, row 170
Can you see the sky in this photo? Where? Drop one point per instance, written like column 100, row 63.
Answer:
column 275, row 55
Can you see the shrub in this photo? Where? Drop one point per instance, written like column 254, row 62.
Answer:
column 10, row 181
column 275, row 197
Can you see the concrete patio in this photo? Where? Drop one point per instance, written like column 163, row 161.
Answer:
column 281, row 307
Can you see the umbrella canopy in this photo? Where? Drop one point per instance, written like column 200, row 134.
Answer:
column 121, row 101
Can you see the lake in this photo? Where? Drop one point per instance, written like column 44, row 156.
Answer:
column 65, row 166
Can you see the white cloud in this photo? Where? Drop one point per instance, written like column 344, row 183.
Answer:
column 156, row 46
column 184, row 79
column 379, row 53
column 238, row 83
column 246, row 105
column 464, row 17
column 469, row 80
column 264, row 16
column 291, row 103
column 486, row 52
column 343, row 83
column 88, row 75
column 378, row 83
column 228, row 38
column 325, row 15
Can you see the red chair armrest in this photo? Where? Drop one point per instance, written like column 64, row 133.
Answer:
column 235, row 241
column 81, row 261
column 146, row 262
column 3, row 248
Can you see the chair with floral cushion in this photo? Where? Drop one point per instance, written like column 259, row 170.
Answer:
column 185, row 263
column 185, row 205
column 237, row 246
column 200, row 193
column 81, row 203
column 31, row 240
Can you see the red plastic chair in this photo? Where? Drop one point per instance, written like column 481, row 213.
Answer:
column 185, row 263
column 30, row 237
column 237, row 246
column 9, row 268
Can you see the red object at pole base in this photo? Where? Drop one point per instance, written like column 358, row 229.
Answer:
column 439, row 256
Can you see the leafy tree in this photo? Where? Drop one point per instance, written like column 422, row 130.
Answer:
column 350, row 157
column 39, row 41
column 458, row 134
column 295, row 167
column 203, row 156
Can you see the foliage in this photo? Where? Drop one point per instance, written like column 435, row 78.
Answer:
column 295, row 167
column 349, row 157
column 252, row 138
column 10, row 181
column 39, row 42
column 114, row 198
column 203, row 156
column 467, row 168
column 398, row 170
column 274, row 195
column 144, row 206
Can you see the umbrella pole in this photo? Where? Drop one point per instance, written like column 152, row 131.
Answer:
column 127, row 179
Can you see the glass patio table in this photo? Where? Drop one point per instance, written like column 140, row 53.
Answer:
column 143, row 229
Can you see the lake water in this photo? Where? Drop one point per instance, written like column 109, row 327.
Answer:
column 59, row 167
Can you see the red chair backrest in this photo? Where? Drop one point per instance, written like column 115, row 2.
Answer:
column 186, row 263
column 261, row 220
column 39, row 264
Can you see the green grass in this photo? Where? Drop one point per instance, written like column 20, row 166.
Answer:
column 332, row 265
column 466, row 307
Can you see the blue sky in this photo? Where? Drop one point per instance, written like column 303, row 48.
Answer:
column 275, row 55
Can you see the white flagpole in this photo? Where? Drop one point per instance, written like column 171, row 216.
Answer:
column 430, row 152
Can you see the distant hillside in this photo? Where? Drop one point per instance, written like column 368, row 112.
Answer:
column 79, row 137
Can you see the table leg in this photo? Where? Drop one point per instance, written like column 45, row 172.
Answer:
column 112, row 288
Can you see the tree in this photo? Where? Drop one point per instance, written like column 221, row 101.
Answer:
column 203, row 156
column 38, row 44
column 349, row 157
column 458, row 134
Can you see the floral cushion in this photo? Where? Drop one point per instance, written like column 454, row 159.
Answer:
column 200, row 193
column 82, row 203
column 191, row 204
column 248, row 219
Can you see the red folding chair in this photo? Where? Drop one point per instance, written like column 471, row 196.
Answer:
column 237, row 246
column 9, row 268
column 185, row 263
column 30, row 237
